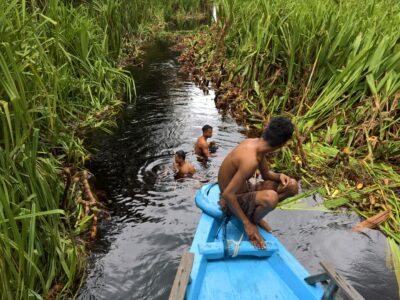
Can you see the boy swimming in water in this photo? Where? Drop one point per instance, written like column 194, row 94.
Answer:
column 181, row 166
column 202, row 148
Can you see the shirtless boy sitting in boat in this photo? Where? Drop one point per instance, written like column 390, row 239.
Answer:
column 248, row 202
column 181, row 166
column 202, row 148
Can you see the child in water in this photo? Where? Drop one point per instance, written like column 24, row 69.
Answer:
column 202, row 148
column 181, row 167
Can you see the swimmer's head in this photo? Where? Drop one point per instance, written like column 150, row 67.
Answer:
column 180, row 156
column 207, row 131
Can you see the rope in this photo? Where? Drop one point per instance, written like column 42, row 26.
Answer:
column 237, row 245
column 226, row 242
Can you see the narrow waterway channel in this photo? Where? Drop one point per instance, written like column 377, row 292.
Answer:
column 154, row 218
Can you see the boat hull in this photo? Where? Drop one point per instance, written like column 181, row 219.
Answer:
column 253, row 274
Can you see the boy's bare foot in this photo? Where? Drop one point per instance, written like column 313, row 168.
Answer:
column 263, row 224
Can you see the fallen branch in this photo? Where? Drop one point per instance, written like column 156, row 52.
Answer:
column 86, row 188
column 54, row 291
column 93, row 229
column 299, row 146
column 373, row 222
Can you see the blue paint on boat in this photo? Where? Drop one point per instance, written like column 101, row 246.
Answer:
column 253, row 274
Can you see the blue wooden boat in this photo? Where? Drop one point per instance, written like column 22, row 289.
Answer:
column 222, row 264
column 227, row 266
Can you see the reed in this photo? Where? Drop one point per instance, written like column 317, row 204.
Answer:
column 145, row 19
column 55, row 76
column 334, row 67
column 328, row 63
column 58, row 82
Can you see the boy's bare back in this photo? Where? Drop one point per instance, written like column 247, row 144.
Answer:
column 201, row 147
column 241, row 162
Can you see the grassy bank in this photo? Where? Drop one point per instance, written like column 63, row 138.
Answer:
column 331, row 66
column 58, row 82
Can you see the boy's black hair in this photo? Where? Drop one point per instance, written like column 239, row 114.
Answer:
column 206, row 127
column 278, row 131
column 181, row 154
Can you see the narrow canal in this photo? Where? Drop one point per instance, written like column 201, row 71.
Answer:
column 154, row 217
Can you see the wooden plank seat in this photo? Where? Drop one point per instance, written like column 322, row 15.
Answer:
column 181, row 280
column 335, row 281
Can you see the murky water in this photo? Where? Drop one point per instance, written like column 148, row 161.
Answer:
column 154, row 217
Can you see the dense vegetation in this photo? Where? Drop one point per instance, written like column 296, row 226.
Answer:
column 58, row 81
column 334, row 65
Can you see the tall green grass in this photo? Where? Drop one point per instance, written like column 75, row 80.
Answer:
column 55, row 75
column 58, row 81
column 326, row 62
column 141, row 18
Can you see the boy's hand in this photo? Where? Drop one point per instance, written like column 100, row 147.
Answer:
column 284, row 179
column 254, row 236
